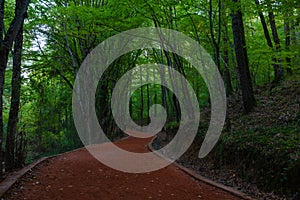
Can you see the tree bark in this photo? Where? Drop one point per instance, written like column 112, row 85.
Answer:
column 278, row 72
column 142, row 99
column 287, row 31
column 295, row 38
column 6, row 43
column 242, row 59
column 264, row 25
column 1, row 20
column 148, row 99
column 227, row 75
column 215, row 42
column 276, row 66
column 3, row 62
column 15, row 102
column 163, row 89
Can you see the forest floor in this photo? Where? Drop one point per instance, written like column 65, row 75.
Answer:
column 78, row 175
column 276, row 114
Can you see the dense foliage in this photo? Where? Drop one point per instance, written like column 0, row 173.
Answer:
column 252, row 42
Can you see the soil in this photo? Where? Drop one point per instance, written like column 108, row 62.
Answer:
column 272, row 111
column 78, row 175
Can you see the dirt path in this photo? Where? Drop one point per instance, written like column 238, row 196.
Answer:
column 77, row 175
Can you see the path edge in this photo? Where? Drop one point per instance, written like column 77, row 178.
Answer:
column 9, row 181
column 202, row 178
column 12, row 178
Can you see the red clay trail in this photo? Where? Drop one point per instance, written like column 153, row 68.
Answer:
column 77, row 175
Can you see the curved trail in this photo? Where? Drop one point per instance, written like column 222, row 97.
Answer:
column 77, row 175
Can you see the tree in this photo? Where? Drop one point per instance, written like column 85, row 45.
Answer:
column 226, row 46
column 242, row 58
column 216, row 42
column 277, row 68
column 6, row 43
column 278, row 71
column 15, row 103
column 55, row 49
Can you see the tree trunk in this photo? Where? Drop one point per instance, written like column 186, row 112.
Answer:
column 264, row 25
column 242, row 60
column 215, row 42
column 174, row 83
column 275, row 64
column 6, row 43
column 15, row 102
column 3, row 62
column 148, row 99
column 155, row 95
column 295, row 38
column 163, row 89
column 142, row 98
column 227, row 75
column 148, row 104
column 287, row 31
column 1, row 20
column 278, row 72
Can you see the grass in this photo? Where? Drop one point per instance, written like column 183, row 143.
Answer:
column 269, row 157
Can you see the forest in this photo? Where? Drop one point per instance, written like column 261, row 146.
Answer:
column 254, row 44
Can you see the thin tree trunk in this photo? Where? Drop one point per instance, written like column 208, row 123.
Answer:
column 15, row 101
column 227, row 75
column 287, row 31
column 278, row 72
column 242, row 59
column 173, row 83
column 234, row 63
column 275, row 64
column 3, row 62
column 1, row 20
column 295, row 38
column 142, row 97
column 175, row 89
column 216, row 43
column 155, row 95
column 148, row 100
column 163, row 89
